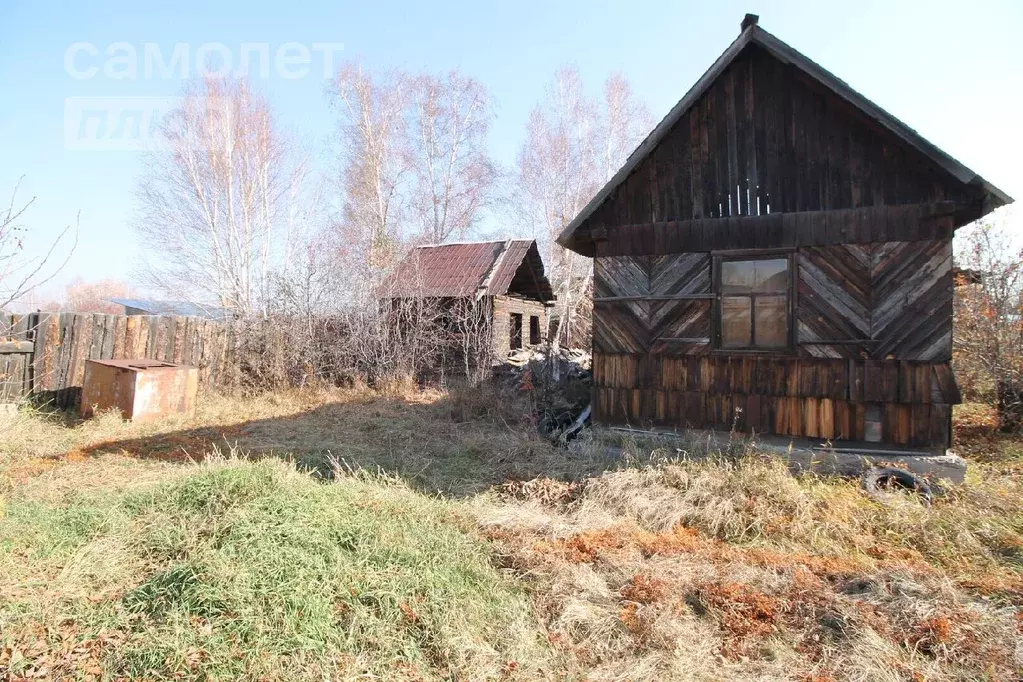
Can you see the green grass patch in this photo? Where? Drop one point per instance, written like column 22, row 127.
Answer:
column 256, row 571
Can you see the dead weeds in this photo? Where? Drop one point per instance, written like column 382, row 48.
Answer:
column 723, row 569
column 769, row 576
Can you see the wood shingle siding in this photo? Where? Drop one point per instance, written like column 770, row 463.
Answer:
column 818, row 399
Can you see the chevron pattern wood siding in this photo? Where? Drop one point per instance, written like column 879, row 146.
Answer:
column 873, row 330
column 621, row 326
column 876, row 300
column 911, row 290
column 667, row 320
column 833, row 300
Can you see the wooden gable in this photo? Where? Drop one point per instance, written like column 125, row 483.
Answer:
column 767, row 131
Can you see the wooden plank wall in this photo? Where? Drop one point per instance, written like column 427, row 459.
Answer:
column 876, row 300
column 865, row 313
column 818, row 398
column 868, row 225
column 892, row 299
column 766, row 139
column 15, row 357
column 62, row 342
column 652, row 303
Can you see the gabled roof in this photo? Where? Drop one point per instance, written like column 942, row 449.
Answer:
column 471, row 269
column 752, row 34
column 186, row 308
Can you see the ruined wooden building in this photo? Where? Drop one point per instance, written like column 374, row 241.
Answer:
column 506, row 277
column 776, row 257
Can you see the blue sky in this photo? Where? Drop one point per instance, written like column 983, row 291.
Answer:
column 951, row 70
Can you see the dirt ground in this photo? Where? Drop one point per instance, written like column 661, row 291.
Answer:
column 648, row 566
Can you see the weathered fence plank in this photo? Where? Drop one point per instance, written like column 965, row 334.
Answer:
column 43, row 355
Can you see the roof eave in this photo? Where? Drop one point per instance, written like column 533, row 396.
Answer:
column 993, row 196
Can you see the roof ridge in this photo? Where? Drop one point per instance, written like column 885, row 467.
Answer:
column 485, row 241
column 484, row 286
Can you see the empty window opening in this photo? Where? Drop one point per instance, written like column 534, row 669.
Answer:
column 534, row 330
column 516, row 331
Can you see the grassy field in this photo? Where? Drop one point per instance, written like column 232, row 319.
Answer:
column 416, row 535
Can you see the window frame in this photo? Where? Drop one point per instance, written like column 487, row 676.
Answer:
column 718, row 258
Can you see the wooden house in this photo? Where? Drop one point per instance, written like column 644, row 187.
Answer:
column 776, row 256
column 507, row 276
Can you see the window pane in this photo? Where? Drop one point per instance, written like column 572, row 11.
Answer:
column 771, row 276
column 761, row 276
column 735, row 322
column 737, row 276
column 772, row 322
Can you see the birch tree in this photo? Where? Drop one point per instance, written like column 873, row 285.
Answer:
column 375, row 165
column 217, row 208
column 626, row 120
column 574, row 144
column 454, row 175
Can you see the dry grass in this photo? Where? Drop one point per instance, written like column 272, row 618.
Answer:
column 735, row 569
column 658, row 568
column 456, row 444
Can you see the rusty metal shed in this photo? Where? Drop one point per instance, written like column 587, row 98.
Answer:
column 142, row 389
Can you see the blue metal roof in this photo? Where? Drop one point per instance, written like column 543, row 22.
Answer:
column 186, row 308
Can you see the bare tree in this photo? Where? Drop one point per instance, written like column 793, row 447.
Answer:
column 218, row 207
column 20, row 272
column 81, row 296
column 573, row 146
column 626, row 121
column 472, row 332
column 988, row 329
column 375, row 166
column 454, row 175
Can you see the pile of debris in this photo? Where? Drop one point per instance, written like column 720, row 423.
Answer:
column 559, row 381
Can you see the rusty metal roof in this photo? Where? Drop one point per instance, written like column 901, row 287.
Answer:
column 143, row 364
column 471, row 268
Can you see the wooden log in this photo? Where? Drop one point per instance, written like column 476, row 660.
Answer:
column 119, row 350
column 162, row 325
column 11, row 347
column 177, row 350
column 649, row 297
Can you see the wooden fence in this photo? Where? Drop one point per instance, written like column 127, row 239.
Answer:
column 42, row 355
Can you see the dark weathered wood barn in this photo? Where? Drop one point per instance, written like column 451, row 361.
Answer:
column 508, row 276
column 776, row 256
